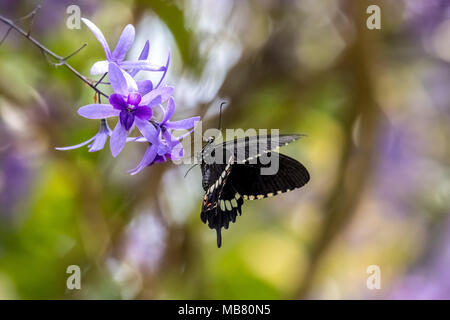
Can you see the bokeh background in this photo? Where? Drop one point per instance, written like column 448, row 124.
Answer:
column 374, row 104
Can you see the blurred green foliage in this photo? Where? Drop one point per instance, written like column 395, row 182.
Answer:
column 376, row 148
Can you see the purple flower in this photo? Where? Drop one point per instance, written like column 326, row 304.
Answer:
column 133, row 102
column 166, row 146
column 118, row 55
column 97, row 142
column 130, row 105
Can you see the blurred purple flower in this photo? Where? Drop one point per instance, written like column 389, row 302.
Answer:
column 426, row 15
column 15, row 179
column 436, row 81
column 118, row 55
column 430, row 280
column 397, row 176
column 98, row 141
column 144, row 242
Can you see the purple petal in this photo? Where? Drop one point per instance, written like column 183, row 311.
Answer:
column 171, row 140
column 126, row 119
column 134, row 98
column 100, row 67
column 163, row 149
column 98, row 111
column 118, row 139
column 117, row 79
column 155, row 102
column 76, row 146
column 177, row 152
column 124, row 43
column 99, row 142
column 147, row 159
column 136, row 139
column 159, row 159
column 131, row 83
column 143, row 112
column 182, row 124
column 99, row 35
column 148, row 131
column 146, row 99
column 99, row 139
column 179, row 138
column 165, row 71
column 142, row 56
column 144, row 86
column 169, row 112
column 145, row 51
column 104, row 128
column 117, row 101
column 165, row 92
column 141, row 65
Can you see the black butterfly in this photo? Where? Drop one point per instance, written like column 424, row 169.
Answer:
column 232, row 173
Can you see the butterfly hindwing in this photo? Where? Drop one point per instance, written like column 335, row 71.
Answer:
column 251, row 184
column 229, row 204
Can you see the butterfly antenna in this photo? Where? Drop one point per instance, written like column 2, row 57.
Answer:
column 190, row 169
column 220, row 114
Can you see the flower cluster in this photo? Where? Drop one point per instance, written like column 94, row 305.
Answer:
column 133, row 103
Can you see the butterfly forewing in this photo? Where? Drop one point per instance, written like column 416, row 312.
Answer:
column 243, row 149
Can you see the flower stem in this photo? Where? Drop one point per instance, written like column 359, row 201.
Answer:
column 45, row 50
